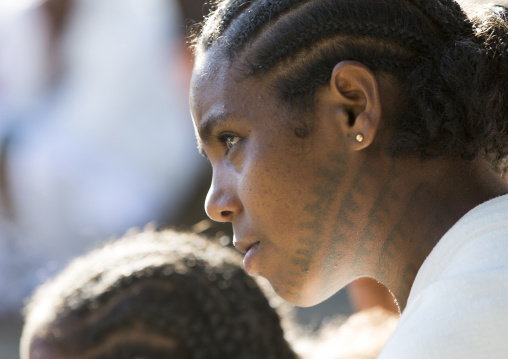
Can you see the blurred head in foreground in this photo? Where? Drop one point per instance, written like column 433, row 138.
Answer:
column 153, row 296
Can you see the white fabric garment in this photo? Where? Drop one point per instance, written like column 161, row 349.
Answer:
column 458, row 306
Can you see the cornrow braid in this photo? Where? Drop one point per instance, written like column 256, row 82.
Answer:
column 262, row 14
column 307, row 23
column 340, row 22
column 447, row 15
column 377, row 38
column 303, row 86
column 230, row 13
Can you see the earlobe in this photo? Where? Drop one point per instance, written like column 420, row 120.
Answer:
column 354, row 88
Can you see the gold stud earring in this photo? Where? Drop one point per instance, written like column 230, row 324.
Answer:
column 359, row 138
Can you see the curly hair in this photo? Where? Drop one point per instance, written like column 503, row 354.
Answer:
column 155, row 295
column 452, row 69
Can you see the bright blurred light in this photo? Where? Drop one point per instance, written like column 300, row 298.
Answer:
column 11, row 7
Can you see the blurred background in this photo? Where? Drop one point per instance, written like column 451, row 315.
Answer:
column 95, row 134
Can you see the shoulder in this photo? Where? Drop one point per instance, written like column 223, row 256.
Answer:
column 458, row 306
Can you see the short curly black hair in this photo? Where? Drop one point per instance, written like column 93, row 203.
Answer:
column 157, row 296
column 452, row 69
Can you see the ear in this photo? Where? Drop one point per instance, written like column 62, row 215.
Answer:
column 354, row 88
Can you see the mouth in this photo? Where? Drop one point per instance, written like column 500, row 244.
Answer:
column 251, row 258
column 244, row 246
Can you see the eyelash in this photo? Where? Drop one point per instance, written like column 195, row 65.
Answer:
column 225, row 139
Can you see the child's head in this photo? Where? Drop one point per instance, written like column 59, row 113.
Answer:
column 153, row 296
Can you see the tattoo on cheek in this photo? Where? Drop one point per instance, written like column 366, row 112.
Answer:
column 349, row 208
column 343, row 222
column 319, row 210
column 376, row 216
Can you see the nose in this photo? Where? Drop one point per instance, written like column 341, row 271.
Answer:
column 222, row 203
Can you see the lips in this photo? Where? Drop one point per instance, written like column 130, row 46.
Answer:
column 250, row 247
column 244, row 246
column 251, row 260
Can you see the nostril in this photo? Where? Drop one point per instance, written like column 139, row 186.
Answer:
column 226, row 214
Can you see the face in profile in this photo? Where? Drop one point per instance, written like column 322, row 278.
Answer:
column 279, row 191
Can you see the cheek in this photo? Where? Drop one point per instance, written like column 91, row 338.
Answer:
column 274, row 186
column 277, row 200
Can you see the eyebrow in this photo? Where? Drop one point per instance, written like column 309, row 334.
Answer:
column 207, row 127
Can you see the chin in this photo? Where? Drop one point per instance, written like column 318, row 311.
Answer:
column 300, row 298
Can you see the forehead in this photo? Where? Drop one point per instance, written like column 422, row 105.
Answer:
column 220, row 90
column 211, row 77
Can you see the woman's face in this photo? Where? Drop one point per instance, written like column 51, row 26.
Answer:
column 285, row 196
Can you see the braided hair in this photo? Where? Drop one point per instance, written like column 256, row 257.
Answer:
column 157, row 296
column 452, row 69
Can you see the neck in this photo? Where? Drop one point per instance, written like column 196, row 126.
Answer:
column 427, row 199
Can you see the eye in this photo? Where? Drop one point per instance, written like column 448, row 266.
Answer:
column 229, row 140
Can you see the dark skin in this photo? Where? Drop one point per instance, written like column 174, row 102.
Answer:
column 366, row 293
column 316, row 213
